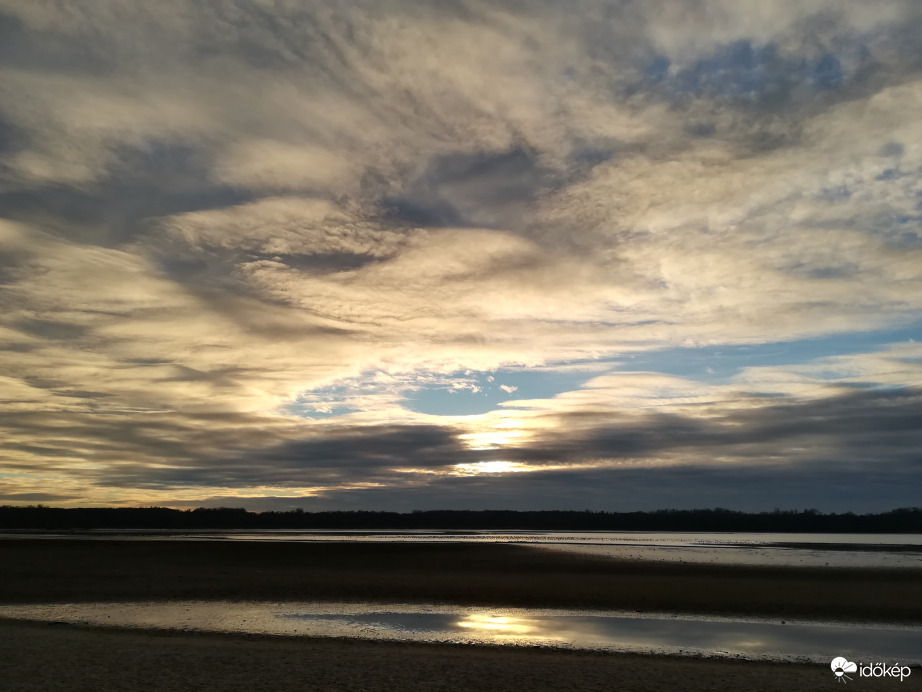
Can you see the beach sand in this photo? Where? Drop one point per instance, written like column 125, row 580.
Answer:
column 36, row 656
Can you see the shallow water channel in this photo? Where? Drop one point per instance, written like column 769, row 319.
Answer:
column 744, row 548
column 607, row 630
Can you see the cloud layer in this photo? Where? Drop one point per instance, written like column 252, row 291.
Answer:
column 393, row 255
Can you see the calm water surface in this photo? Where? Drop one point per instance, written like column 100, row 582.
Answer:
column 617, row 631
column 804, row 549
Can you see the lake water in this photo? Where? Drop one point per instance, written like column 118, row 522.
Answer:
column 797, row 549
column 601, row 630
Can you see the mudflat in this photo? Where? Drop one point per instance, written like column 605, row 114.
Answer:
column 50, row 656
column 48, row 570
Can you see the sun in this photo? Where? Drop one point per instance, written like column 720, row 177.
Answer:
column 490, row 439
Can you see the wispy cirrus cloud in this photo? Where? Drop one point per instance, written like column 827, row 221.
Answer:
column 253, row 252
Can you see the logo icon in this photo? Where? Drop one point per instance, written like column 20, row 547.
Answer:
column 840, row 666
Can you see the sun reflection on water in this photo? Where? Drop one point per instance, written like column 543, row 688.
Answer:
column 505, row 626
column 617, row 631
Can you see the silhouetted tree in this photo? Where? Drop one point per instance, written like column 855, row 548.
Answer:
column 41, row 517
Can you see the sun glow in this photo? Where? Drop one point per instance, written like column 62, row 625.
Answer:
column 497, row 625
column 480, row 467
column 490, row 439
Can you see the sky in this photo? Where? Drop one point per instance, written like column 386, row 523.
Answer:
column 607, row 255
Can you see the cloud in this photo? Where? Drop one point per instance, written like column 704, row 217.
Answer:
column 237, row 242
column 36, row 497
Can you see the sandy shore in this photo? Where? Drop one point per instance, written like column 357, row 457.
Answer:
column 35, row 656
column 47, row 657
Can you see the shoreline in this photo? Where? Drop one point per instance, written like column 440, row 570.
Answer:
column 67, row 657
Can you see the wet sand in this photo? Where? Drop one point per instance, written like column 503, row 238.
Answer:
column 35, row 656
column 35, row 571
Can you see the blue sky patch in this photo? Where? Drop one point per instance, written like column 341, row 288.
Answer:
column 444, row 400
column 719, row 363
column 744, row 71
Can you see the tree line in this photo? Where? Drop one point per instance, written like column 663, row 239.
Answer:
column 40, row 517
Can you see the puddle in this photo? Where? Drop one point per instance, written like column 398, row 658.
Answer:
column 605, row 630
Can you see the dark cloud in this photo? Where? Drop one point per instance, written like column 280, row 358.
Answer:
column 334, row 457
column 892, row 149
column 25, row 47
column 10, row 136
column 146, row 182
column 825, row 487
column 36, row 497
column 883, row 421
column 50, row 329
column 871, row 435
column 482, row 190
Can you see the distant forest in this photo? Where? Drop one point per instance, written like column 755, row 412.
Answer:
column 906, row 520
